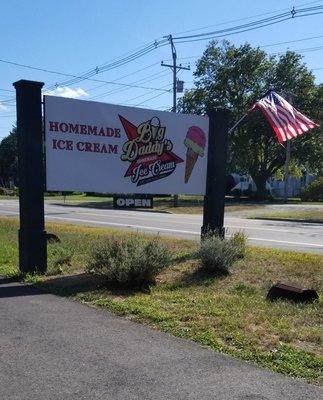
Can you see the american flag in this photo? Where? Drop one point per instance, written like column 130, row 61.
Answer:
column 286, row 121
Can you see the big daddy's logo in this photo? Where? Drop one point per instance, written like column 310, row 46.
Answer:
column 148, row 151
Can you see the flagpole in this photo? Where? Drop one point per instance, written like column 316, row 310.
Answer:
column 289, row 98
column 287, row 161
column 246, row 114
column 237, row 123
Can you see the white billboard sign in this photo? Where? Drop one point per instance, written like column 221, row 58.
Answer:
column 106, row 148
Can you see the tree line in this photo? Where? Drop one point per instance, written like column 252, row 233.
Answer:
column 9, row 159
column 235, row 78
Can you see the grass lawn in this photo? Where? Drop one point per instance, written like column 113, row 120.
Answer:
column 228, row 314
column 314, row 215
column 193, row 205
column 187, row 204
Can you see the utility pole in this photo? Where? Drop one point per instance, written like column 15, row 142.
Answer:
column 174, row 67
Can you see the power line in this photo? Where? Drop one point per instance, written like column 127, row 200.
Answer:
column 113, row 65
column 87, row 76
column 99, row 69
column 116, row 91
column 151, row 98
column 116, row 59
column 237, row 27
column 251, row 25
column 145, row 94
column 262, row 46
column 150, row 47
column 12, row 91
column 291, row 41
column 127, row 86
column 121, row 84
column 127, row 53
column 180, row 39
column 7, row 102
column 307, row 49
column 145, row 101
column 89, row 79
column 246, row 18
column 143, row 50
column 125, row 76
column 96, row 87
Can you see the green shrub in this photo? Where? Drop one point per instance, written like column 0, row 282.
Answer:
column 32, row 278
column 217, row 255
column 129, row 261
column 59, row 258
column 239, row 242
column 313, row 191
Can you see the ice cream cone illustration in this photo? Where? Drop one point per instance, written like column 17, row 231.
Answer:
column 195, row 143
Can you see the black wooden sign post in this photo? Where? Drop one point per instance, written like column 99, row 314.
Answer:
column 213, row 211
column 31, row 175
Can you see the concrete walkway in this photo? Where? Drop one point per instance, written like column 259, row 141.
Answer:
column 52, row 348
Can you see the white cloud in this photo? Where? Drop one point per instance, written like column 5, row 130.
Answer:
column 3, row 107
column 64, row 91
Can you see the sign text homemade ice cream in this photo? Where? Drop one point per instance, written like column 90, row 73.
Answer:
column 98, row 147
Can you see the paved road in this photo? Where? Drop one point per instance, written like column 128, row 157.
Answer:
column 56, row 349
column 285, row 235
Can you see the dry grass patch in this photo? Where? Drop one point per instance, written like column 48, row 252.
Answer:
column 315, row 215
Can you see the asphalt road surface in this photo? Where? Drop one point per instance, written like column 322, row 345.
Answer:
column 307, row 237
column 52, row 348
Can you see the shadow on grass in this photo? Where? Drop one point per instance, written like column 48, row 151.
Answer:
column 189, row 256
column 69, row 286
column 105, row 205
column 12, row 279
column 159, row 204
column 196, row 277
column 303, row 221
column 17, row 290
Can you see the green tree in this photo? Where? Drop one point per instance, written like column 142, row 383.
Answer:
column 8, row 158
column 234, row 78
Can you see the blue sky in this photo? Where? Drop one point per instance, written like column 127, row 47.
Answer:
column 73, row 36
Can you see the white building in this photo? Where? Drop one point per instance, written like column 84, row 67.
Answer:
column 274, row 186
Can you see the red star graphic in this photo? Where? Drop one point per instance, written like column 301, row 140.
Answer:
column 131, row 132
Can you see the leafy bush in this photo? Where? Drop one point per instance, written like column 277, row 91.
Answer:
column 217, row 255
column 129, row 261
column 32, row 278
column 239, row 242
column 313, row 192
